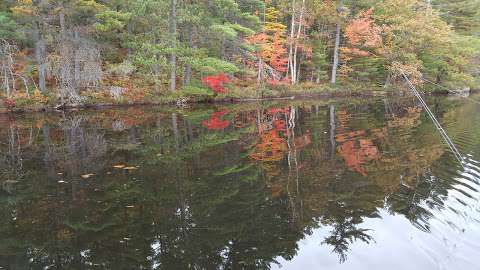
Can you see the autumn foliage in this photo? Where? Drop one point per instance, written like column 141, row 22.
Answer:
column 271, row 45
column 214, row 122
column 272, row 145
column 358, row 152
column 363, row 39
column 363, row 35
column 216, row 82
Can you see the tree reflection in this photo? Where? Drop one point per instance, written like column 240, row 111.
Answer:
column 206, row 194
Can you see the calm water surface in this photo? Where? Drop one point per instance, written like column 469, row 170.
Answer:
column 347, row 184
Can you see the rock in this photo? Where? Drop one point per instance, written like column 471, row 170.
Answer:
column 116, row 92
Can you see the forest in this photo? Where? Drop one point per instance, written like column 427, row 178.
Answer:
column 72, row 52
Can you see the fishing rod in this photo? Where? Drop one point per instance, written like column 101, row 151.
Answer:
column 442, row 132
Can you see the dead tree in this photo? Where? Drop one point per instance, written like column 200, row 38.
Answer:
column 76, row 65
column 8, row 75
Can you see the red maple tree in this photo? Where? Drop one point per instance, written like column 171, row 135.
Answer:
column 216, row 82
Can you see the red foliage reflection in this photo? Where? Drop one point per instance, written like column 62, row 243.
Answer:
column 214, row 122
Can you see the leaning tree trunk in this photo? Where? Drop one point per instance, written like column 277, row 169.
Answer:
column 173, row 56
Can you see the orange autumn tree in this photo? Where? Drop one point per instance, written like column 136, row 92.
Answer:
column 362, row 54
column 271, row 53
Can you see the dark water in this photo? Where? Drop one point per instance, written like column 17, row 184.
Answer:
column 349, row 184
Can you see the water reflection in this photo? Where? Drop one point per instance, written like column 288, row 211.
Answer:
column 238, row 187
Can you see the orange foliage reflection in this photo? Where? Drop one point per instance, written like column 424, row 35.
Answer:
column 270, row 148
column 272, row 145
column 358, row 152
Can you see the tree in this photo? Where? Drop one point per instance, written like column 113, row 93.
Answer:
column 364, row 40
column 270, row 52
column 337, row 47
column 463, row 15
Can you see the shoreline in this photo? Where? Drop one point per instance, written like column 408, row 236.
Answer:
column 290, row 95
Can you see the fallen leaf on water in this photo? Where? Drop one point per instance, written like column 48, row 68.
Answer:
column 119, row 166
column 85, row 176
column 130, row 168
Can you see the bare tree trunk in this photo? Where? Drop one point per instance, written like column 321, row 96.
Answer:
column 76, row 63
column 129, row 31
column 188, row 67
column 260, row 71
column 222, row 48
column 6, row 83
column 40, row 55
column 290, row 50
column 295, row 51
column 62, row 22
column 336, row 49
column 173, row 56
column 335, row 55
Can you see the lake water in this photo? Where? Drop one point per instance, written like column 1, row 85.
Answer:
column 340, row 184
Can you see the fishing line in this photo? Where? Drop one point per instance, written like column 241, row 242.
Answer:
column 442, row 132
column 450, row 90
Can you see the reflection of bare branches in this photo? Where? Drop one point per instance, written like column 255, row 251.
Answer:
column 84, row 150
column 13, row 158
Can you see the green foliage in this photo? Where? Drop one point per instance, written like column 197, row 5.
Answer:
column 191, row 90
column 211, row 65
column 111, row 20
column 319, row 59
column 463, row 15
column 242, row 29
column 9, row 29
column 225, row 30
